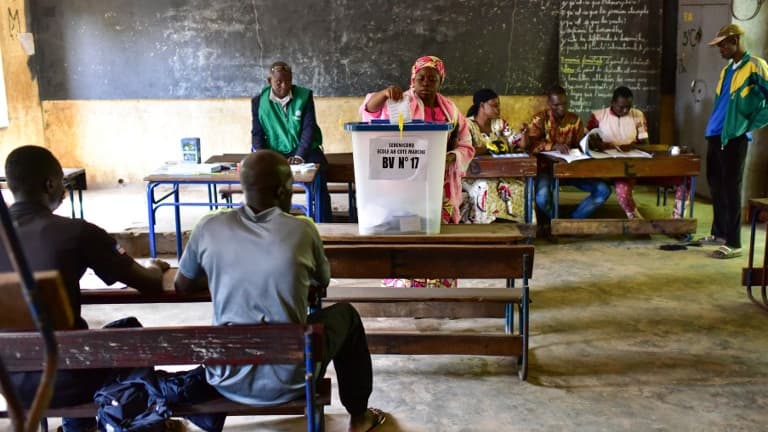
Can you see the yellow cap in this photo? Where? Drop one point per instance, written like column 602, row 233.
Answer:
column 725, row 32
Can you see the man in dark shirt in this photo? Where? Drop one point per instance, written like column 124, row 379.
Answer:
column 283, row 120
column 70, row 246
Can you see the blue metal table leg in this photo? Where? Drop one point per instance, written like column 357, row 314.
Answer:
column 529, row 200
column 177, row 218
column 692, row 193
column 509, row 311
column 211, row 196
column 309, row 381
column 151, row 218
column 316, row 200
column 522, row 361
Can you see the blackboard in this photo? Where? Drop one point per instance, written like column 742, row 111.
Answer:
column 605, row 44
column 117, row 49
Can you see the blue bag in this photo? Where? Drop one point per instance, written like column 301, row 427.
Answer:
column 132, row 404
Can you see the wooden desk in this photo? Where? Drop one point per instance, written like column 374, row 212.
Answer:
column 74, row 180
column 303, row 179
column 687, row 166
column 752, row 274
column 521, row 167
column 498, row 233
column 331, row 234
column 339, row 171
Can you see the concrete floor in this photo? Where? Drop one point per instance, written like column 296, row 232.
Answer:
column 624, row 337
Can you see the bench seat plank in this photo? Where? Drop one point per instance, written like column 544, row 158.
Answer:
column 429, row 310
column 622, row 226
column 395, row 295
column 435, row 343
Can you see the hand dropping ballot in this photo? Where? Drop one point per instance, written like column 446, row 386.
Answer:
column 399, row 111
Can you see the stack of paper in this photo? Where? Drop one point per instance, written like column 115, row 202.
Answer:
column 182, row 168
column 302, row 167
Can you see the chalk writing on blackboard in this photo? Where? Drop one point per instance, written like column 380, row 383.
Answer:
column 609, row 43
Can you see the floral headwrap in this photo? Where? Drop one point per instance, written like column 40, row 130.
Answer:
column 428, row 61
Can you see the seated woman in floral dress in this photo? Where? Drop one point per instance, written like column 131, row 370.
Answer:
column 489, row 199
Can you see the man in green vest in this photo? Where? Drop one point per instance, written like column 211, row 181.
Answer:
column 283, row 118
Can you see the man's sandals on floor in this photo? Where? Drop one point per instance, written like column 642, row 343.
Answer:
column 711, row 240
column 725, row 252
column 376, row 417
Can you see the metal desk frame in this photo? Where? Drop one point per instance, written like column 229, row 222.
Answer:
column 211, row 181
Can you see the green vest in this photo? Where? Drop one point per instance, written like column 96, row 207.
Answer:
column 283, row 128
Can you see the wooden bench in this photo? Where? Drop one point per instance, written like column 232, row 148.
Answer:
column 508, row 262
column 363, row 261
column 164, row 346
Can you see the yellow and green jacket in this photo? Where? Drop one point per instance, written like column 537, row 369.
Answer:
column 747, row 108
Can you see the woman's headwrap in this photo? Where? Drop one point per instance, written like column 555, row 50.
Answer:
column 428, row 61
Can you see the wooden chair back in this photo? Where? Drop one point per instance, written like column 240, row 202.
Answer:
column 16, row 315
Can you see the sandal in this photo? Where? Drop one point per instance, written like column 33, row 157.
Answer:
column 711, row 240
column 725, row 252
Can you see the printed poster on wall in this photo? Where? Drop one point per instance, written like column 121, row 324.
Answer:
column 3, row 99
column 398, row 159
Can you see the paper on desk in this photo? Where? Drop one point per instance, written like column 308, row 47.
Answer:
column 203, row 168
column 509, row 155
column 613, row 153
column 302, row 167
column 584, row 143
column 566, row 157
column 91, row 281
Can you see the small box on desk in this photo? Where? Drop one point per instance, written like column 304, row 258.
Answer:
column 190, row 150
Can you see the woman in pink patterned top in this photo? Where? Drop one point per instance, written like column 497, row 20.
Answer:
column 426, row 103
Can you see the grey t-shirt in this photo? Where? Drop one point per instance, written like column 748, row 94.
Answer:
column 259, row 269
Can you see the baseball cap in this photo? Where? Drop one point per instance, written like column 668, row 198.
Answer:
column 727, row 31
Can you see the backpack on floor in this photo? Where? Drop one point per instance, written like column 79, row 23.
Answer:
column 132, row 404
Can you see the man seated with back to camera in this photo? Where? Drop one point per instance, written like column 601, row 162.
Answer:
column 260, row 262
column 69, row 246
column 283, row 119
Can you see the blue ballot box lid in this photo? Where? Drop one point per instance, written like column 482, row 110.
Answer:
column 385, row 125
